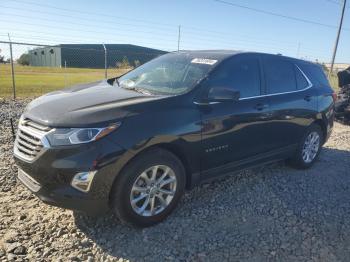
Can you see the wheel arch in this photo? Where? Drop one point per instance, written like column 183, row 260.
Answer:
column 173, row 148
column 181, row 155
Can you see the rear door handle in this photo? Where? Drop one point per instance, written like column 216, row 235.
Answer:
column 261, row 106
column 307, row 98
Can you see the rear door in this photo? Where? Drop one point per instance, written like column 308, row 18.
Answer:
column 292, row 100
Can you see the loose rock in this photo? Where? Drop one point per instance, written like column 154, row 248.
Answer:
column 271, row 213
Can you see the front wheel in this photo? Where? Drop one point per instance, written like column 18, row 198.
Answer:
column 309, row 148
column 149, row 188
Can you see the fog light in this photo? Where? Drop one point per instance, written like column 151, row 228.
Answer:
column 82, row 181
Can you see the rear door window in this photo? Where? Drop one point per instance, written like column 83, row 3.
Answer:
column 279, row 75
column 315, row 72
column 239, row 73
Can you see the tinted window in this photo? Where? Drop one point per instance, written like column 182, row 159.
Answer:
column 280, row 76
column 241, row 74
column 301, row 80
column 316, row 73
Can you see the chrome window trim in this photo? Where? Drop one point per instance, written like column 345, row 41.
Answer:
column 205, row 104
column 267, row 95
column 289, row 92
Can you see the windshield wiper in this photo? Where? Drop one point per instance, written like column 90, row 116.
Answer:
column 116, row 81
column 139, row 90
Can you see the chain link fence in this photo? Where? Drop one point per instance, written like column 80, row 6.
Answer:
column 38, row 69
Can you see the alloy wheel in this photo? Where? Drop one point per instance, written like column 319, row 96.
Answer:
column 311, row 147
column 153, row 190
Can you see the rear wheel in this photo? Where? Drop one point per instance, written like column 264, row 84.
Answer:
column 149, row 188
column 309, row 148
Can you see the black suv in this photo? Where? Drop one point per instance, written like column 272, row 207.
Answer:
column 133, row 144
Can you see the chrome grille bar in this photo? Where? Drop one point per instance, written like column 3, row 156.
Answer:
column 23, row 136
column 29, row 140
column 27, row 122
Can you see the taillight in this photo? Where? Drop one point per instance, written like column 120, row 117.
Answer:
column 335, row 96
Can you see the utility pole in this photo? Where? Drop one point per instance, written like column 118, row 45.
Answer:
column 12, row 69
column 105, row 51
column 178, row 38
column 338, row 35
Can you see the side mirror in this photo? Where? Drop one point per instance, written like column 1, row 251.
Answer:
column 223, row 94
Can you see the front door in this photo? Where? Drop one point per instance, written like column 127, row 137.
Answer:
column 234, row 131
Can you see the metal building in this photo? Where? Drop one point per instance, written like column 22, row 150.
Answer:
column 90, row 55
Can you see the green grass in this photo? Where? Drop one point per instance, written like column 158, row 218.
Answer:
column 333, row 80
column 34, row 81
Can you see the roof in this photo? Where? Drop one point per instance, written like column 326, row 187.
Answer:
column 223, row 54
column 210, row 54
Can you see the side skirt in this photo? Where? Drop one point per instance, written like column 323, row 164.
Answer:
column 257, row 160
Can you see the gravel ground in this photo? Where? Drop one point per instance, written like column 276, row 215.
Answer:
column 273, row 213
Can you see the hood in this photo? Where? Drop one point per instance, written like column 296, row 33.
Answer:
column 92, row 104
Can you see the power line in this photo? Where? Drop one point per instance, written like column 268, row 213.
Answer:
column 196, row 30
column 146, row 32
column 79, row 18
column 78, row 48
column 86, row 25
column 161, row 26
column 73, row 40
column 79, row 30
column 231, row 44
column 89, row 31
column 149, row 32
column 93, row 26
column 52, row 38
column 276, row 14
column 336, row 2
column 93, row 13
column 252, row 42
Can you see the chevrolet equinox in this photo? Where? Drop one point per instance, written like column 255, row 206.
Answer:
column 133, row 144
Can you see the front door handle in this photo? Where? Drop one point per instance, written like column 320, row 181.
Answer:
column 261, row 106
column 307, row 98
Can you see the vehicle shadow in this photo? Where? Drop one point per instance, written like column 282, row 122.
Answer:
column 269, row 213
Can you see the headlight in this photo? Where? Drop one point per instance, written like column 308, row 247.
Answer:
column 72, row 136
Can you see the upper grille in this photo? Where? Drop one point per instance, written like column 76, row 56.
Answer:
column 29, row 139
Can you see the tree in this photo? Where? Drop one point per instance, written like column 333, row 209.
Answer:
column 23, row 59
column 125, row 62
column 2, row 58
column 325, row 68
column 137, row 63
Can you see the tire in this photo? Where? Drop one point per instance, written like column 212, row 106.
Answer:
column 134, row 184
column 300, row 160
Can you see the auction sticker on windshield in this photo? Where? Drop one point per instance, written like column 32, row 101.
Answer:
column 203, row 61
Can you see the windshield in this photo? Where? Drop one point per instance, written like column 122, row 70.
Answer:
column 170, row 74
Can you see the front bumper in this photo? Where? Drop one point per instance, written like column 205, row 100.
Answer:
column 66, row 197
column 49, row 176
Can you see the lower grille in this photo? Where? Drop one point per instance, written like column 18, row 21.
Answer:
column 27, row 180
column 29, row 139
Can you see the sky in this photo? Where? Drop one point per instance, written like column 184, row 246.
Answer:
column 206, row 24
